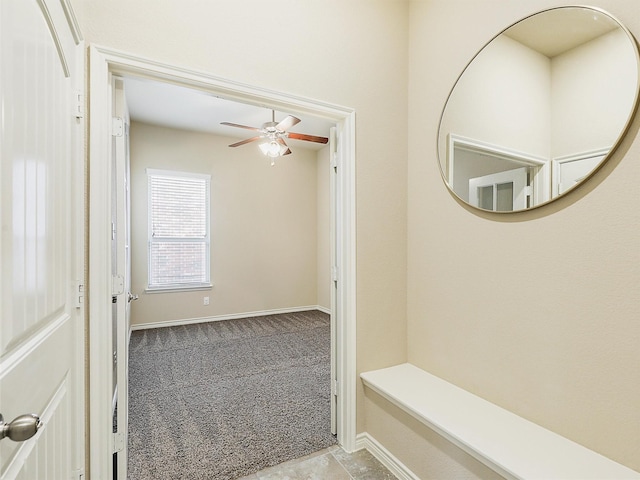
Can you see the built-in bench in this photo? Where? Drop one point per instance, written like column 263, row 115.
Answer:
column 510, row 445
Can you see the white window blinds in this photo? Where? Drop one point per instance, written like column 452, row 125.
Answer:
column 178, row 229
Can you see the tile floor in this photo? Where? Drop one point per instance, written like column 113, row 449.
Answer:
column 332, row 463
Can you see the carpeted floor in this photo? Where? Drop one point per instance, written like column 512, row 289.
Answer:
column 222, row 400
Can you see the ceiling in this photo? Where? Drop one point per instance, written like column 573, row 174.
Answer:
column 173, row 106
column 558, row 30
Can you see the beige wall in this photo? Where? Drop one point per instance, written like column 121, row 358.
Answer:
column 263, row 225
column 352, row 53
column 537, row 312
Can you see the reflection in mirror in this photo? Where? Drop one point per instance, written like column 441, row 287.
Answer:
column 539, row 109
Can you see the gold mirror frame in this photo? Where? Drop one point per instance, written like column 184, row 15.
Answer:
column 539, row 109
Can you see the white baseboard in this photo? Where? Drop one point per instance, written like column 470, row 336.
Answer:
column 233, row 316
column 384, row 456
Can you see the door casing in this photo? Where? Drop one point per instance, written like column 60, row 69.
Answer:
column 104, row 63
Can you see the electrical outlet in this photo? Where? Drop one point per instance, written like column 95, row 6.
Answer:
column 205, row 301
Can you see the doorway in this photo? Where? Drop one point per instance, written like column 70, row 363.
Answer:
column 245, row 243
column 105, row 64
column 496, row 178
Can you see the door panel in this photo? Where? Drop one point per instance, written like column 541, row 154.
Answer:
column 41, row 245
column 121, row 266
column 500, row 192
column 570, row 172
column 333, row 195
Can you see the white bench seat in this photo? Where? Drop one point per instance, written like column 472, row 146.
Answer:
column 510, row 445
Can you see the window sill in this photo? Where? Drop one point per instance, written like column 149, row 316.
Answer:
column 191, row 288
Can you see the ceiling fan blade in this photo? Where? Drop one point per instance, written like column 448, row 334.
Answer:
column 248, row 140
column 308, row 138
column 240, row 126
column 287, row 123
column 281, row 141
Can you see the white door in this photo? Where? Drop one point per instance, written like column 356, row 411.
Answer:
column 569, row 171
column 333, row 191
column 500, row 192
column 121, row 269
column 41, row 241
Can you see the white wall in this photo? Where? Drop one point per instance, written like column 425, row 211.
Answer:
column 538, row 311
column 503, row 98
column 263, row 225
column 591, row 86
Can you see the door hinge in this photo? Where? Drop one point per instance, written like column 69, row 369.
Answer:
column 78, row 104
column 334, row 273
column 79, row 473
column 333, row 136
column 117, row 285
column 334, row 388
column 117, row 126
column 78, row 293
column 528, row 191
column 118, row 442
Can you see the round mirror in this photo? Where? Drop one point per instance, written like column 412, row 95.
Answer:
column 539, row 109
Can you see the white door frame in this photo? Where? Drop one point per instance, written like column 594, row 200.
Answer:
column 103, row 63
column 542, row 179
column 559, row 162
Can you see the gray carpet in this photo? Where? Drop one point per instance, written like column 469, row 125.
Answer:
column 222, row 400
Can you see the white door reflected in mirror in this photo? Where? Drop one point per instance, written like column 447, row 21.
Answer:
column 570, row 171
column 500, row 192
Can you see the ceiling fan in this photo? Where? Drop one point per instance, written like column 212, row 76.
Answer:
column 273, row 135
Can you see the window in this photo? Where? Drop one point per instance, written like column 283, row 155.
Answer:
column 178, row 230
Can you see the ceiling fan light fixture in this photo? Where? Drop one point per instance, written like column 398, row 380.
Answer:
column 272, row 136
column 272, row 149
